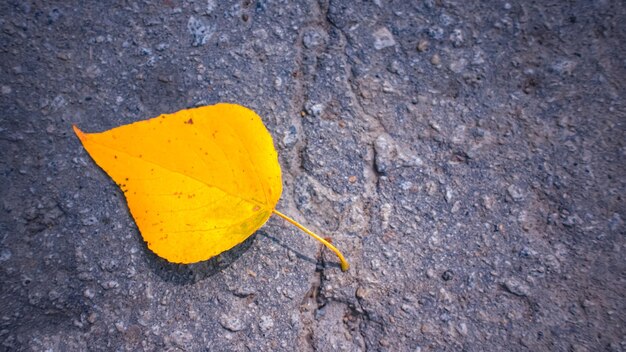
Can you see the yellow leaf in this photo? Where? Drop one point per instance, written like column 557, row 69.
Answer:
column 198, row 181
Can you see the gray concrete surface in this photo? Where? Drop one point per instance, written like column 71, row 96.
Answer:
column 468, row 158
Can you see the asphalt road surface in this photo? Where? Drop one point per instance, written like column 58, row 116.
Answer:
column 466, row 156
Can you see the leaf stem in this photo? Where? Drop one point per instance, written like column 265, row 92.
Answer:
column 344, row 263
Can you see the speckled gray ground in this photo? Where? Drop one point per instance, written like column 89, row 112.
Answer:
column 468, row 158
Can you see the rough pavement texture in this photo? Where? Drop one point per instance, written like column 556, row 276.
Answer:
column 467, row 157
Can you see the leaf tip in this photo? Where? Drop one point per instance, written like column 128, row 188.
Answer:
column 80, row 134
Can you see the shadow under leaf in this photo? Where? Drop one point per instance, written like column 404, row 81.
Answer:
column 185, row 274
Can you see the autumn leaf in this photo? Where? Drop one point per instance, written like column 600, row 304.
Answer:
column 198, row 181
